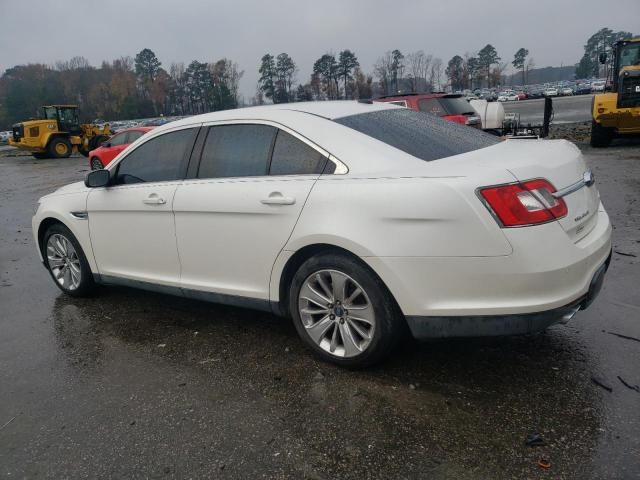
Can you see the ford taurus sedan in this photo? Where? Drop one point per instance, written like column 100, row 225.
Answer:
column 356, row 220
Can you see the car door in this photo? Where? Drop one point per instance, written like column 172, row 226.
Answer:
column 234, row 218
column 131, row 221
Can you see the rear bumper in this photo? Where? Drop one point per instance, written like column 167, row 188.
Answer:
column 501, row 325
column 522, row 292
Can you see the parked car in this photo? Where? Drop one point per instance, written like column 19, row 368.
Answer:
column 598, row 86
column 354, row 219
column 4, row 137
column 102, row 156
column 508, row 96
column 522, row 95
column 551, row 92
column 536, row 93
column 583, row 89
column 452, row 107
column 566, row 91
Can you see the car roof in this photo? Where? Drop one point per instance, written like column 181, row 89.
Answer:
column 329, row 110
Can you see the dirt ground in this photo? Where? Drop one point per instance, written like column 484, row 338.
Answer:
column 137, row 385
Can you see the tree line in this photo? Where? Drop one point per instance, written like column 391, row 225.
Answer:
column 124, row 88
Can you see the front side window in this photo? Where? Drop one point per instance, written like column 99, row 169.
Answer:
column 133, row 135
column 118, row 139
column 293, row 157
column 236, row 151
column 158, row 160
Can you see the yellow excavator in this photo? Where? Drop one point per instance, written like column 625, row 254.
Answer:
column 617, row 113
column 58, row 134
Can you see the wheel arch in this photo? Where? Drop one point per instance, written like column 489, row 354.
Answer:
column 293, row 263
column 79, row 230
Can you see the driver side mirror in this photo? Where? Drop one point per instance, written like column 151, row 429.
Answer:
column 97, row 178
column 603, row 58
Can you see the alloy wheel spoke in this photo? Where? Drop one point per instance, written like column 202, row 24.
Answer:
column 355, row 294
column 325, row 288
column 353, row 324
column 55, row 262
column 318, row 330
column 338, row 283
column 350, row 346
column 334, row 339
column 318, row 298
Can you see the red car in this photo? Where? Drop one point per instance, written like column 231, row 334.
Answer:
column 450, row 106
column 102, row 156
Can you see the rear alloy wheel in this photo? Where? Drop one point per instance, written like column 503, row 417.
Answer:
column 343, row 311
column 600, row 136
column 66, row 261
column 60, row 147
column 96, row 164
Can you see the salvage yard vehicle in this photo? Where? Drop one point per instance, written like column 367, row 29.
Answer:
column 508, row 96
column 617, row 113
column 550, row 92
column 355, row 219
column 58, row 134
column 453, row 107
column 107, row 151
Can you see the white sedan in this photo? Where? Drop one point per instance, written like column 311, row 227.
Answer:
column 508, row 97
column 357, row 220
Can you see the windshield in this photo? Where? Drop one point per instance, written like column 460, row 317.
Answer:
column 50, row 113
column 630, row 55
column 422, row 135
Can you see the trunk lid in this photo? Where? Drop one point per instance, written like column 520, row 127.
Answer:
column 561, row 163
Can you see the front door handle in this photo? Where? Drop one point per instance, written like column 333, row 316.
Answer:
column 154, row 199
column 276, row 198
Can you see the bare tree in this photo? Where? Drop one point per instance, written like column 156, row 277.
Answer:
column 383, row 70
column 435, row 74
column 419, row 65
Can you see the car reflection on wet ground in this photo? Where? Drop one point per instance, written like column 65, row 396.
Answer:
column 135, row 384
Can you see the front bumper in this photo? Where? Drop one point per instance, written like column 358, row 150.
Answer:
column 501, row 325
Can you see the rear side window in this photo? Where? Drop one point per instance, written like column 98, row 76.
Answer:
column 424, row 136
column 118, row 139
column 158, row 160
column 293, row 157
column 236, row 151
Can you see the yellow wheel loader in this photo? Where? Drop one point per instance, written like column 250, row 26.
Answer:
column 617, row 113
column 58, row 134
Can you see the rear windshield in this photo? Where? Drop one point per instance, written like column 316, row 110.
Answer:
column 445, row 106
column 422, row 135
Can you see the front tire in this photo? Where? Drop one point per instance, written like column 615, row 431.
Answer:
column 66, row 261
column 343, row 311
column 60, row 147
column 600, row 136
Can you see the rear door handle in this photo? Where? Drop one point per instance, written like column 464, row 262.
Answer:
column 276, row 198
column 154, row 199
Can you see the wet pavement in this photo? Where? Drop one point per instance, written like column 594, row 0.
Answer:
column 138, row 385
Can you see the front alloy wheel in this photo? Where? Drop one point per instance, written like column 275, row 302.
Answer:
column 64, row 262
column 337, row 313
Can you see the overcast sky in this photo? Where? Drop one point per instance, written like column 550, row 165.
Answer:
column 554, row 31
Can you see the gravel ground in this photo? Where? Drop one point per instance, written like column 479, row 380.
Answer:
column 138, row 385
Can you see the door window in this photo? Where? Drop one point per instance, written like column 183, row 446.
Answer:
column 293, row 157
column 118, row 139
column 236, row 151
column 133, row 135
column 158, row 160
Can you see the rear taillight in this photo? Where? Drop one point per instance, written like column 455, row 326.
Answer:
column 526, row 203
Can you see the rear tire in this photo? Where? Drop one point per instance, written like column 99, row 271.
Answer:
column 600, row 136
column 342, row 326
column 60, row 147
column 66, row 261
